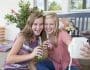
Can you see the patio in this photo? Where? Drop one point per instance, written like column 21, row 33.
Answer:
column 80, row 19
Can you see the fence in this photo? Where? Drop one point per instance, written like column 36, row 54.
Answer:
column 80, row 20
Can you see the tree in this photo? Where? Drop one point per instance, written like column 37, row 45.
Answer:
column 54, row 6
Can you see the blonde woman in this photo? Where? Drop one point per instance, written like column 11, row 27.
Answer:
column 58, row 41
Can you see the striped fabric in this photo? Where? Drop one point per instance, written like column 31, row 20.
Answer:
column 60, row 55
column 24, row 50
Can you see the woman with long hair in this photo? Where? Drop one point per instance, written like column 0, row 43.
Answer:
column 58, row 41
column 27, row 46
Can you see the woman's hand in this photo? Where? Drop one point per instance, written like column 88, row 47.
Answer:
column 37, row 51
column 86, row 50
column 45, row 43
column 48, row 44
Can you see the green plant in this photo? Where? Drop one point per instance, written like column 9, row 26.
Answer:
column 54, row 6
column 20, row 18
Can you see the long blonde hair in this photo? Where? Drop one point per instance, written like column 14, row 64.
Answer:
column 54, row 17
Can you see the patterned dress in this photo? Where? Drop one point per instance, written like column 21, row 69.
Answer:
column 27, row 48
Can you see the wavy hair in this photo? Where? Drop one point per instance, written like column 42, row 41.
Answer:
column 27, row 31
column 55, row 17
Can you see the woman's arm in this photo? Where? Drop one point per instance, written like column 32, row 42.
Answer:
column 13, row 57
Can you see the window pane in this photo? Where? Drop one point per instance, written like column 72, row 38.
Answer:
column 76, row 4
column 54, row 5
column 40, row 4
column 88, row 4
column 31, row 3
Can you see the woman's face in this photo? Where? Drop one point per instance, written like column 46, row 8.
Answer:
column 37, row 26
column 50, row 25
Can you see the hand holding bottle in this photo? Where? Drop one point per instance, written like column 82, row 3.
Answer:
column 37, row 51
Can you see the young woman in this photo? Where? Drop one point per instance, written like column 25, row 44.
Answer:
column 58, row 41
column 26, row 46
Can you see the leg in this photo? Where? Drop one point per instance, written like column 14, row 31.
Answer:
column 41, row 67
column 47, row 64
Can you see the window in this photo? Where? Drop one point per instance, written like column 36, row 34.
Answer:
column 48, row 5
column 76, row 4
column 79, row 4
column 40, row 4
column 54, row 5
column 31, row 3
column 88, row 4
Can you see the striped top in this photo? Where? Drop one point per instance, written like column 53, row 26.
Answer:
column 27, row 48
column 60, row 55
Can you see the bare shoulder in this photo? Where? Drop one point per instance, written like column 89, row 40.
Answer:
column 17, row 44
column 20, row 38
column 19, row 41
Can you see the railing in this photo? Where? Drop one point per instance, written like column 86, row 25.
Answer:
column 80, row 20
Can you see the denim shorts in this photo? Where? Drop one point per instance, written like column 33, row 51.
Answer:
column 45, row 65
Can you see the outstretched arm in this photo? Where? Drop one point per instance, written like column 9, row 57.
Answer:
column 13, row 57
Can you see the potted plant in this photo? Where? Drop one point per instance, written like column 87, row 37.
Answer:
column 20, row 18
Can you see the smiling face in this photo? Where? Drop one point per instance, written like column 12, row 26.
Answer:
column 50, row 25
column 37, row 26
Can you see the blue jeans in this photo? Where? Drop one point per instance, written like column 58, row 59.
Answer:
column 45, row 65
column 42, row 65
column 74, row 68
